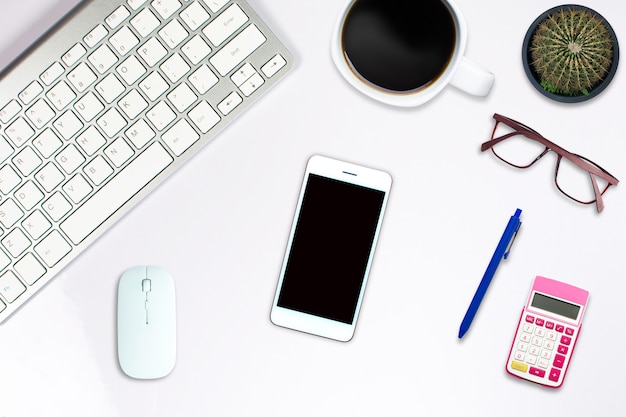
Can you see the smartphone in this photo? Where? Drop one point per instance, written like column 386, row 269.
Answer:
column 330, row 248
column 547, row 332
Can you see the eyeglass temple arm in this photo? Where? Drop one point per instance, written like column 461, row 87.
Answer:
column 596, row 190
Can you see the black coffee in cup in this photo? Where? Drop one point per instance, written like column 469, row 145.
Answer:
column 399, row 45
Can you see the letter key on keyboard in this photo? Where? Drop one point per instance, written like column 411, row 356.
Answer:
column 112, row 101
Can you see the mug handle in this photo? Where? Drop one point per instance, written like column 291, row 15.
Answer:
column 472, row 78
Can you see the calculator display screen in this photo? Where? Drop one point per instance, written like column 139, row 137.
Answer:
column 555, row 306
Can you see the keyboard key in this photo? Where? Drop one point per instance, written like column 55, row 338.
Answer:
column 204, row 117
column 68, row 125
column 173, row 34
column 215, row 5
column 116, row 193
column 166, row 8
column 196, row 50
column 119, row 152
column 28, row 195
column 111, row 122
column 180, row 137
column 10, row 213
column 182, row 97
column 40, row 113
column 154, row 85
column 229, row 103
column 194, row 16
column 117, row 17
column 226, row 24
column 69, row 159
column 145, row 22
column 57, row 206
column 102, row 58
column 131, row 70
column 10, row 286
column 29, row 269
column 9, row 111
column 52, row 74
column 273, row 65
column 238, row 49
column 61, row 95
column 8, row 179
column 36, row 225
column 89, row 106
column 152, row 52
column 26, row 161
column 96, row 35
column 203, row 79
column 16, row 242
column 110, row 88
column 90, row 140
column 77, row 189
column 74, row 54
column 98, row 170
column 53, row 248
column 140, row 133
column 251, row 84
column 19, row 132
column 81, row 77
column 124, row 41
column 175, row 68
column 161, row 116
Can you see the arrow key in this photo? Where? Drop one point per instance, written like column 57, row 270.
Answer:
column 251, row 85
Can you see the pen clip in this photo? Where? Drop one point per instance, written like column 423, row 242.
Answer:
column 508, row 248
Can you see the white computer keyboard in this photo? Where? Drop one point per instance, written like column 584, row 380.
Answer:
column 96, row 114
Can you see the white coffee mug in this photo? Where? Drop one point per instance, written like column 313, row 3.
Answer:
column 452, row 69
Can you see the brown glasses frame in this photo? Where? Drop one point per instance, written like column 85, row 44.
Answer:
column 594, row 170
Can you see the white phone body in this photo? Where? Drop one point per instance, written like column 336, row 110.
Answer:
column 330, row 249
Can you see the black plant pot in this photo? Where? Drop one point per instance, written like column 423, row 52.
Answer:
column 536, row 79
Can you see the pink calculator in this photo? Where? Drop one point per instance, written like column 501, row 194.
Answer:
column 547, row 332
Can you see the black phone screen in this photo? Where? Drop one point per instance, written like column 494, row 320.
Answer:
column 331, row 248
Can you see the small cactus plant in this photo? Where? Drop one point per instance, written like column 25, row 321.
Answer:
column 572, row 51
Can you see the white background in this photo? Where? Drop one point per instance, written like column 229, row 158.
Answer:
column 220, row 226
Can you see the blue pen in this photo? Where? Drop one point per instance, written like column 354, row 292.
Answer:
column 502, row 252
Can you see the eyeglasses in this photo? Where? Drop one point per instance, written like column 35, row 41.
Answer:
column 522, row 146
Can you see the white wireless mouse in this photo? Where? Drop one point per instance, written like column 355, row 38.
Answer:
column 146, row 322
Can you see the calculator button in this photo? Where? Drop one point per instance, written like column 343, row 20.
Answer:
column 560, row 328
column 524, row 337
column 566, row 340
column 530, row 319
column 519, row 356
column 518, row 366
column 528, row 328
column 546, row 354
column 559, row 360
column 539, row 322
column 540, row 331
column 548, row 345
column 551, row 336
column 554, row 374
column 522, row 347
column 537, row 372
column 562, row 349
column 569, row 331
column 543, row 363
column 537, row 341
column 549, row 325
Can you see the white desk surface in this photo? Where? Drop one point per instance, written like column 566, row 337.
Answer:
column 220, row 225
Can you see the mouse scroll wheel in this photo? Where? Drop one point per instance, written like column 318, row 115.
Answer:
column 146, row 285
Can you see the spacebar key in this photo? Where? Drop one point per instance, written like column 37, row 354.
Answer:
column 108, row 199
